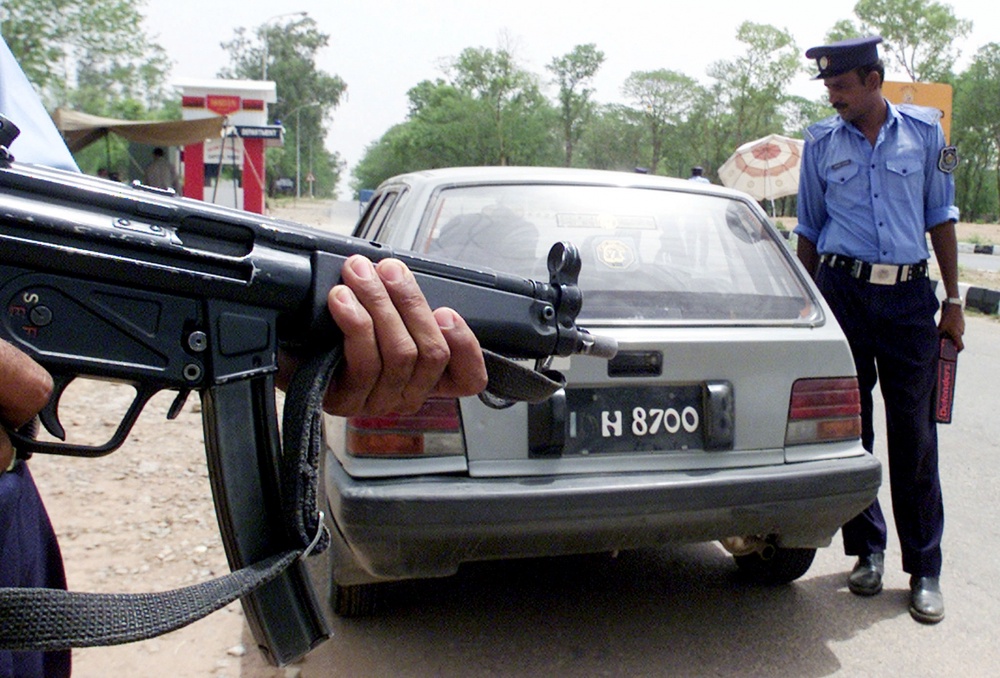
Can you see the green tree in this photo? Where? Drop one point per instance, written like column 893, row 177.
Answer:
column 615, row 139
column 306, row 95
column 509, row 96
column 977, row 134
column 753, row 87
column 89, row 54
column 921, row 36
column 447, row 127
column 573, row 73
column 93, row 56
column 489, row 111
column 663, row 98
column 706, row 138
column 381, row 160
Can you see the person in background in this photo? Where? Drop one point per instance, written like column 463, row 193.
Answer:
column 160, row 173
column 875, row 179
column 698, row 174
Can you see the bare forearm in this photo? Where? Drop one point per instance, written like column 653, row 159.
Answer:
column 808, row 255
column 945, row 244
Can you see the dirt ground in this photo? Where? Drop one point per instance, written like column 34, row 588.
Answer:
column 141, row 519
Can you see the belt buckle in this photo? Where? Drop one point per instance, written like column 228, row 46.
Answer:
column 884, row 274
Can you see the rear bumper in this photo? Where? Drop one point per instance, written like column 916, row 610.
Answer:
column 425, row 527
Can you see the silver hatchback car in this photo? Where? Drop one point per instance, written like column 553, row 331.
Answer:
column 730, row 413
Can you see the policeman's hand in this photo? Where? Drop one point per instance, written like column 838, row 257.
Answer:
column 397, row 352
column 952, row 324
column 25, row 387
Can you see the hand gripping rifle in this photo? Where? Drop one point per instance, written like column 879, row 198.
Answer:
column 130, row 284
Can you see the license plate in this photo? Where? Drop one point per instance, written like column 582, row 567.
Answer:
column 640, row 419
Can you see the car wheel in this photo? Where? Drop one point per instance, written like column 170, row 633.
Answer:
column 775, row 565
column 359, row 600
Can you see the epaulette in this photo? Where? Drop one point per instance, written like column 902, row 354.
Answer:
column 925, row 114
column 820, row 129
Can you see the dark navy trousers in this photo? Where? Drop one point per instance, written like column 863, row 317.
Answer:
column 894, row 338
column 29, row 557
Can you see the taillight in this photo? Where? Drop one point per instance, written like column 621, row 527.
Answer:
column 824, row 410
column 433, row 431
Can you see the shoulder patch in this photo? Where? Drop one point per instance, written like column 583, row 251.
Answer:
column 948, row 159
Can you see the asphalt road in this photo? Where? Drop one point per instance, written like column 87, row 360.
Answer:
column 979, row 262
column 684, row 611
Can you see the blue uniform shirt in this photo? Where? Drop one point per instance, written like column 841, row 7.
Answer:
column 875, row 203
column 39, row 141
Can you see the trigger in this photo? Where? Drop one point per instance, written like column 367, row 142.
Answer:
column 178, row 404
column 49, row 416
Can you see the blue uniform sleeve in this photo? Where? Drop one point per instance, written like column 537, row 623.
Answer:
column 811, row 203
column 939, row 186
column 39, row 141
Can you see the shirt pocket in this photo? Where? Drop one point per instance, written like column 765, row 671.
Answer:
column 841, row 173
column 846, row 186
column 904, row 178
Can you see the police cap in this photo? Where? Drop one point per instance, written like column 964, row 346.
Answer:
column 846, row 55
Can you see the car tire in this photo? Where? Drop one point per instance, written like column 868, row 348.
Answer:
column 359, row 600
column 775, row 565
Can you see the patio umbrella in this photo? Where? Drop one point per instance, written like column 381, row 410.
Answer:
column 767, row 168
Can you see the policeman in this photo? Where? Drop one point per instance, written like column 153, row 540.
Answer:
column 874, row 180
column 698, row 174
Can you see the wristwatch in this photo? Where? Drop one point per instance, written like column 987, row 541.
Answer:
column 956, row 301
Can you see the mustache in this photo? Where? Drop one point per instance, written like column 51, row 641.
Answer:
column 839, row 106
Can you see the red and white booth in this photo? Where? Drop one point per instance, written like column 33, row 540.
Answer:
column 243, row 105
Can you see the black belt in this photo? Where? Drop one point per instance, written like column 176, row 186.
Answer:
column 878, row 274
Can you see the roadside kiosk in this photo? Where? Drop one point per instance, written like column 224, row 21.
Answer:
column 243, row 105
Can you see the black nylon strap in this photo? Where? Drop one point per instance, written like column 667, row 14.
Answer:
column 43, row 620
column 302, row 443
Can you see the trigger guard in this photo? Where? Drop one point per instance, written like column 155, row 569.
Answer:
column 49, row 418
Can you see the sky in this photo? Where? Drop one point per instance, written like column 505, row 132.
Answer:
column 382, row 48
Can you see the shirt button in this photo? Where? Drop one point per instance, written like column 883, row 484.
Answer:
column 876, row 195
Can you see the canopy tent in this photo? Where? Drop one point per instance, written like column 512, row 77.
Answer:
column 82, row 129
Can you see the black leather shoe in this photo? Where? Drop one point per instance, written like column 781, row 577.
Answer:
column 866, row 577
column 926, row 601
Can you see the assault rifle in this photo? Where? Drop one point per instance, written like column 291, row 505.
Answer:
column 131, row 284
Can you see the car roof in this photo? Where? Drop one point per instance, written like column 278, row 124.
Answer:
column 434, row 178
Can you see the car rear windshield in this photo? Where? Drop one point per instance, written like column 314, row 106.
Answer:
column 649, row 256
